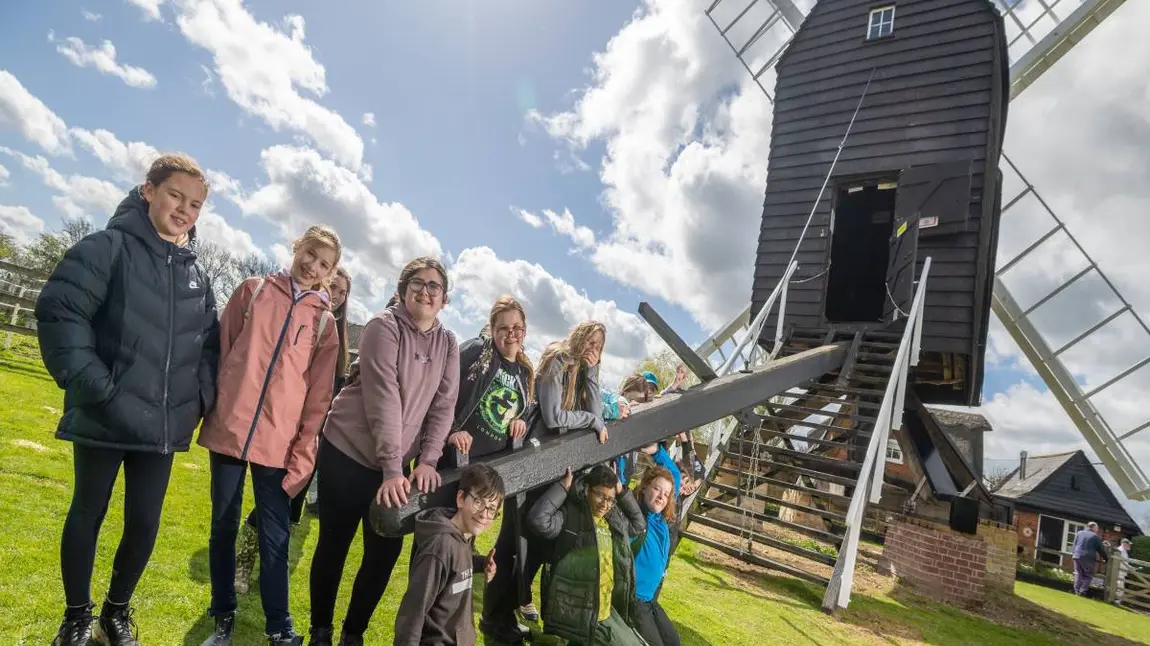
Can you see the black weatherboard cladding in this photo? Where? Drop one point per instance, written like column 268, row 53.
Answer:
column 938, row 96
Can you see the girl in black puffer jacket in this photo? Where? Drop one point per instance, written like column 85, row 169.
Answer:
column 128, row 328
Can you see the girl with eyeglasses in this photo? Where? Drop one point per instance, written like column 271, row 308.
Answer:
column 396, row 409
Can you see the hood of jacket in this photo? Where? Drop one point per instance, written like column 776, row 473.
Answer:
column 403, row 318
column 131, row 217
column 437, row 522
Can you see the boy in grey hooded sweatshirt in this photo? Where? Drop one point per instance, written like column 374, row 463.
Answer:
column 436, row 609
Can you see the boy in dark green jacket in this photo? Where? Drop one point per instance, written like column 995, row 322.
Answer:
column 589, row 587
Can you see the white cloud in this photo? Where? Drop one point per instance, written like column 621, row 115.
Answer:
column 369, row 119
column 129, row 162
column 23, row 112
column 686, row 137
column 79, row 196
column 213, row 227
column 264, row 69
column 19, row 222
column 151, row 8
column 305, row 188
column 209, row 82
column 552, row 305
column 4, row 175
column 103, row 59
column 532, row 220
column 90, row 16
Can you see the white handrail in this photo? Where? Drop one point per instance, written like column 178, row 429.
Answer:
column 869, row 485
column 756, row 328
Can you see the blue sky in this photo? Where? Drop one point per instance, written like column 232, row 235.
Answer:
column 581, row 155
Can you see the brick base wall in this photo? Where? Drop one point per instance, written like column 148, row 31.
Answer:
column 936, row 561
column 1001, row 555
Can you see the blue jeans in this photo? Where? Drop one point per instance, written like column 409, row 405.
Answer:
column 273, row 507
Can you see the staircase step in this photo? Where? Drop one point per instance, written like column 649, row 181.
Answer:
column 869, row 379
column 814, row 511
column 755, row 559
column 833, row 463
column 786, row 422
column 877, row 393
column 875, row 357
column 763, row 539
column 817, row 534
column 823, row 413
column 810, row 473
column 882, row 334
column 810, row 440
column 880, row 344
column 830, row 399
column 825, row 495
column 874, row 367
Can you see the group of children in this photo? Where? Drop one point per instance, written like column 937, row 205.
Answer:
column 128, row 327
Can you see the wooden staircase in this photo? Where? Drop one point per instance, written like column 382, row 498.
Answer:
column 779, row 494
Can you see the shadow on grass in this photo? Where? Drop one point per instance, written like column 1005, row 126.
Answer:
column 29, row 369
column 790, row 591
column 1007, row 619
column 689, row 637
column 249, row 615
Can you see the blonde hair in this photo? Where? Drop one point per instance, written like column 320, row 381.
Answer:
column 508, row 304
column 649, row 477
column 567, row 352
column 165, row 166
column 320, row 235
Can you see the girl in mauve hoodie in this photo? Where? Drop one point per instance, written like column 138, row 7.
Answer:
column 277, row 365
column 397, row 408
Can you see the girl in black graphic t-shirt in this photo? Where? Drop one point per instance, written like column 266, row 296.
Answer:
column 496, row 387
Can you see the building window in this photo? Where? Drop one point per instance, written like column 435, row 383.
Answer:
column 881, row 23
column 1068, row 540
column 893, row 452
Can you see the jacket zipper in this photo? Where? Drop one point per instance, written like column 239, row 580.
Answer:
column 267, row 380
column 171, row 333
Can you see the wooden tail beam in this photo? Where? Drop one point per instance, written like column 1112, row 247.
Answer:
column 544, row 460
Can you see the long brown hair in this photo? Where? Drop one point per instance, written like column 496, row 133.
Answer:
column 507, row 304
column 567, row 352
column 650, row 476
column 341, row 324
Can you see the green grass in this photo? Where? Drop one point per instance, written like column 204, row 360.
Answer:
column 712, row 600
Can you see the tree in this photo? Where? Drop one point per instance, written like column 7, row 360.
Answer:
column 8, row 247
column 256, row 265
column 996, row 477
column 664, row 365
column 73, row 230
column 43, row 254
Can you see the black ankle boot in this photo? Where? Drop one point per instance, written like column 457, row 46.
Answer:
column 225, row 624
column 76, row 629
column 116, row 626
column 347, row 639
column 286, row 637
column 320, row 636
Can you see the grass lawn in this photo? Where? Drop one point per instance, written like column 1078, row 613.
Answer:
column 713, row 600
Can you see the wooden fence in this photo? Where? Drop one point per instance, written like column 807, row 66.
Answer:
column 1128, row 583
column 19, row 289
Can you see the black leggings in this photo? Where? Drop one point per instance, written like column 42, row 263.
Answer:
column 145, row 484
column 346, row 489
column 654, row 625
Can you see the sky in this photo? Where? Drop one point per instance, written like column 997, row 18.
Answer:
column 581, row 156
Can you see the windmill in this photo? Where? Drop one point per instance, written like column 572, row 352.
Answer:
column 1035, row 35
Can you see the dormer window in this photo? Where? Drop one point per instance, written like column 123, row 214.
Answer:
column 881, row 23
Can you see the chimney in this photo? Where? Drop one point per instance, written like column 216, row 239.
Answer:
column 1022, row 466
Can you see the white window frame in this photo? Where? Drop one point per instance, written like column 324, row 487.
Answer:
column 878, row 20
column 893, row 456
column 1068, row 531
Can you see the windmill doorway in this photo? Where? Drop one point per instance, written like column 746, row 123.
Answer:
column 861, row 226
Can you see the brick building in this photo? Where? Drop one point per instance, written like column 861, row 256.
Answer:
column 1049, row 498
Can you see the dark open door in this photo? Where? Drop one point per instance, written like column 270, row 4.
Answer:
column 932, row 199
